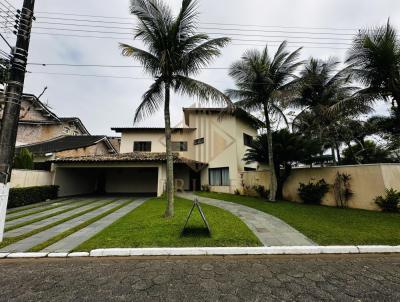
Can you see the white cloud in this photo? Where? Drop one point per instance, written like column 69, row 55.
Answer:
column 105, row 102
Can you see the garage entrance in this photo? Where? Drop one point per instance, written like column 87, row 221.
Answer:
column 141, row 181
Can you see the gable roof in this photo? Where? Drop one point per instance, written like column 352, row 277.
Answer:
column 149, row 129
column 76, row 120
column 63, row 143
column 236, row 111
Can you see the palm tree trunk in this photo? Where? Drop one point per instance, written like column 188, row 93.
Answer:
column 273, row 180
column 169, row 212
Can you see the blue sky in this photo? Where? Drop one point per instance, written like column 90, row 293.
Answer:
column 102, row 103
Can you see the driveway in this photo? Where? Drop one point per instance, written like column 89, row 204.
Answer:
column 66, row 224
column 280, row 278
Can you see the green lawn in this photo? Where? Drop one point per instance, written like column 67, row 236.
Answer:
column 327, row 225
column 146, row 227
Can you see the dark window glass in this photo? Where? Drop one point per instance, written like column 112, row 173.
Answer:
column 142, row 146
column 179, row 146
column 199, row 141
column 247, row 139
column 218, row 177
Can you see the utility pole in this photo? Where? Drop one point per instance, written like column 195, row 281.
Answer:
column 12, row 99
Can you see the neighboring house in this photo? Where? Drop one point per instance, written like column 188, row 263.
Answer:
column 38, row 123
column 208, row 150
column 69, row 146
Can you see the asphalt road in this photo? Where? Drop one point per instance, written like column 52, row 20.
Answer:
column 283, row 278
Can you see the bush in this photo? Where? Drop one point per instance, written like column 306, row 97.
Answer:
column 261, row 191
column 312, row 193
column 205, row 188
column 389, row 203
column 237, row 192
column 25, row 196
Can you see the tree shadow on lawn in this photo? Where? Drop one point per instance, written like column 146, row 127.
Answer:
column 196, row 232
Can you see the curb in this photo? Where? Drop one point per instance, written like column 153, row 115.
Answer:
column 216, row 251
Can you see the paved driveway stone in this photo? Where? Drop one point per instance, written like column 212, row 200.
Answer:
column 271, row 231
column 277, row 278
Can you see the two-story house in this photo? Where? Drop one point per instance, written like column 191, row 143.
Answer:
column 208, row 151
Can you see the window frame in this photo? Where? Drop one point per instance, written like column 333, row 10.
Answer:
column 199, row 141
column 221, row 184
column 183, row 146
column 146, row 144
column 247, row 139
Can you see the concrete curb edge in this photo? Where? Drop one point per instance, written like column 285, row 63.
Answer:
column 215, row 251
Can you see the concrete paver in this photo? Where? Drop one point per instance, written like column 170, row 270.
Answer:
column 69, row 243
column 26, row 244
column 271, row 231
column 36, row 225
column 48, row 212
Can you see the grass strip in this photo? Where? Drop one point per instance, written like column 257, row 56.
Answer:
column 327, row 225
column 11, row 240
column 36, row 205
column 68, row 232
column 147, row 227
column 34, row 212
column 22, row 224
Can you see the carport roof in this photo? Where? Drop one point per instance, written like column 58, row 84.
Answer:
column 132, row 157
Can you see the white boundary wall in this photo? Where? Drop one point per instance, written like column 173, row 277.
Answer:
column 30, row 178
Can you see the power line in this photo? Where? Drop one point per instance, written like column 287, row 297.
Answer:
column 210, row 23
column 89, row 75
column 210, row 33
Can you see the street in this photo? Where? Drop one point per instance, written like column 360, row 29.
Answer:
column 264, row 278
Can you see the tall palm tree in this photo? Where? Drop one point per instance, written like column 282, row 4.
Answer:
column 261, row 83
column 374, row 60
column 175, row 51
column 326, row 98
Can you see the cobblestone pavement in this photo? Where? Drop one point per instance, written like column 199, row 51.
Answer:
column 278, row 278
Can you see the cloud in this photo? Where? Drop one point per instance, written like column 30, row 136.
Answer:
column 106, row 102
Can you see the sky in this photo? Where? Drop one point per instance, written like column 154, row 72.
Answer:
column 110, row 99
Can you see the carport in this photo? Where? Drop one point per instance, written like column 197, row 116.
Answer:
column 138, row 173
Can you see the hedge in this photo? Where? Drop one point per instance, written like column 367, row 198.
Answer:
column 25, row 196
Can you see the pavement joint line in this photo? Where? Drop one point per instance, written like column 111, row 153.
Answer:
column 40, row 218
column 216, row 251
column 42, row 229
column 34, row 210
column 77, row 228
column 36, row 205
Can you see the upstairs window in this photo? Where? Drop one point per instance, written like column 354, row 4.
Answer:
column 179, row 146
column 247, row 140
column 142, row 146
column 198, row 141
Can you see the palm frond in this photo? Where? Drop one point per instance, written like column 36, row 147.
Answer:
column 150, row 63
column 152, row 101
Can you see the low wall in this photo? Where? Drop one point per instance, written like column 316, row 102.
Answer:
column 30, row 178
column 367, row 182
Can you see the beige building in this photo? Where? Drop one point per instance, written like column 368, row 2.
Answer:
column 37, row 123
column 208, row 151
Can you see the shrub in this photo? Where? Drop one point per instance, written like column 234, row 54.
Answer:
column 389, row 203
column 237, row 192
column 261, row 191
column 25, row 196
column 205, row 188
column 342, row 190
column 312, row 193
column 23, row 160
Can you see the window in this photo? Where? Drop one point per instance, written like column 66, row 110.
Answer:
column 219, row 177
column 199, row 141
column 247, row 139
column 142, row 146
column 179, row 146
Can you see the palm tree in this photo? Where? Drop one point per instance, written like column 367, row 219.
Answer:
column 289, row 150
column 374, row 60
column 174, row 53
column 262, row 82
column 326, row 99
